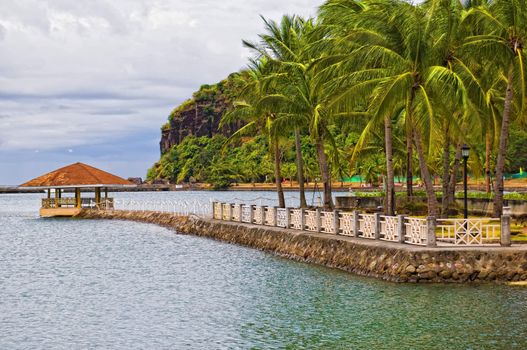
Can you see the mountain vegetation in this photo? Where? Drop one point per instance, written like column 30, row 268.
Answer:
column 380, row 88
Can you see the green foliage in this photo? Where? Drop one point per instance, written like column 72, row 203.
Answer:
column 516, row 151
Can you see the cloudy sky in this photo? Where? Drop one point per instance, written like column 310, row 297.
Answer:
column 94, row 80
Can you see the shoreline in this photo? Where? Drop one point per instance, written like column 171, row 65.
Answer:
column 382, row 260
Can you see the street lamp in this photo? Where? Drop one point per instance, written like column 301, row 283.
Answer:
column 465, row 152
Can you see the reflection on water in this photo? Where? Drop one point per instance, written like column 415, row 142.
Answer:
column 72, row 284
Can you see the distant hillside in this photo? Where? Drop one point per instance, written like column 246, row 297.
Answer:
column 200, row 115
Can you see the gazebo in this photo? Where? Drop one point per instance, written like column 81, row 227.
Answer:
column 73, row 178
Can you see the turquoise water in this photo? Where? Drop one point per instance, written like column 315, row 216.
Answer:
column 73, row 284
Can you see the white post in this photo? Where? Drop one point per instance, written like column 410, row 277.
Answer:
column 356, row 224
column 431, row 231
column 240, row 211
column 336, row 222
column 318, row 219
column 505, row 237
column 302, row 219
column 287, row 218
column 221, row 211
column 251, row 214
column 401, row 228
column 377, row 227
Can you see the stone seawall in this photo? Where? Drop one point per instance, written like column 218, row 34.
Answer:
column 383, row 260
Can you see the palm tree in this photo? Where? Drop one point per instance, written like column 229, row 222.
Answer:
column 403, row 66
column 302, row 101
column 503, row 34
column 260, row 85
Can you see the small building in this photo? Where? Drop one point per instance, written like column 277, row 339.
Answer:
column 65, row 185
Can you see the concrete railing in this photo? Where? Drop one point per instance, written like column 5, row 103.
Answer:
column 398, row 229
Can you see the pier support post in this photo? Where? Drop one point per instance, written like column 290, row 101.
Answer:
column 251, row 214
column 431, row 224
column 240, row 211
column 377, row 232
column 505, row 237
column 356, row 224
column 221, row 211
column 318, row 219
column 401, row 228
column 214, row 210
column 336, row 222
column 287, row 218
column 275, row 217
column 303, row 218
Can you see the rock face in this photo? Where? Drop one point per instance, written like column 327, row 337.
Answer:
column 201, row 115
column 383, row 260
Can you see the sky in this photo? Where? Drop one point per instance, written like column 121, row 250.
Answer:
column 93, row 80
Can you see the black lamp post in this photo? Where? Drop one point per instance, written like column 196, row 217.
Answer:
column 465, row 152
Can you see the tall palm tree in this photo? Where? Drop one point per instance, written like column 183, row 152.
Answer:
column 503, row 26
column 284, row 43
column 253, row 110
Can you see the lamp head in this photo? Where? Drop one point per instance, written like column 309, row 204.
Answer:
column 465, row 151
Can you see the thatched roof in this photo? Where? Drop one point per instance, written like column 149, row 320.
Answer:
column 78, row 175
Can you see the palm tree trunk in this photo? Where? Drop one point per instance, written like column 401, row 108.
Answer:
column 390, row 188
column 446, row 178
column 425, row 174
column 488, row 151
column 502, row 149
column 324, row 172
column 409, row 172
column 278, row 176
column 453, row 175
column 300, row 169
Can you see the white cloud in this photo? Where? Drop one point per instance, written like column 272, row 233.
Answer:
column 71, row 69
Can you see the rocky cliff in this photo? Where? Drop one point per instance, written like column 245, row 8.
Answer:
column 201, row 115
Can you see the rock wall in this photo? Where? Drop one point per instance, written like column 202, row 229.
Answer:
column 383, row 260
column 201, row 115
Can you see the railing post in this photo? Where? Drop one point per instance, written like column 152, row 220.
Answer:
column 431, row 224
column 336, row 222
column 251, row 214
column 356, row 224
column 377, row 232
column 275, row 216
column 262, row 215
column 229, row 212
column 303, row 218
column 287, row 218
column 318, row 219
column 505, row 236
column 240, row 211
column 221, row 211
column 401, row 228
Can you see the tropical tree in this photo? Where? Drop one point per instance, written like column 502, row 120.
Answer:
column 502, row 38
column 252, row 109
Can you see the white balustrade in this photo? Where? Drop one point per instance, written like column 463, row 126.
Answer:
column 389, row 228
column 296, row 219
column 327, row 223
column 217, row 211
column 367, row 225
column 270, row 216
column 258, row 217
column 416, row 231
column 346, row 224
column 226, row 212
column 311, row 220
column 281, row 217
column 236, row 212
column 467, row 232
column 246, row 214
